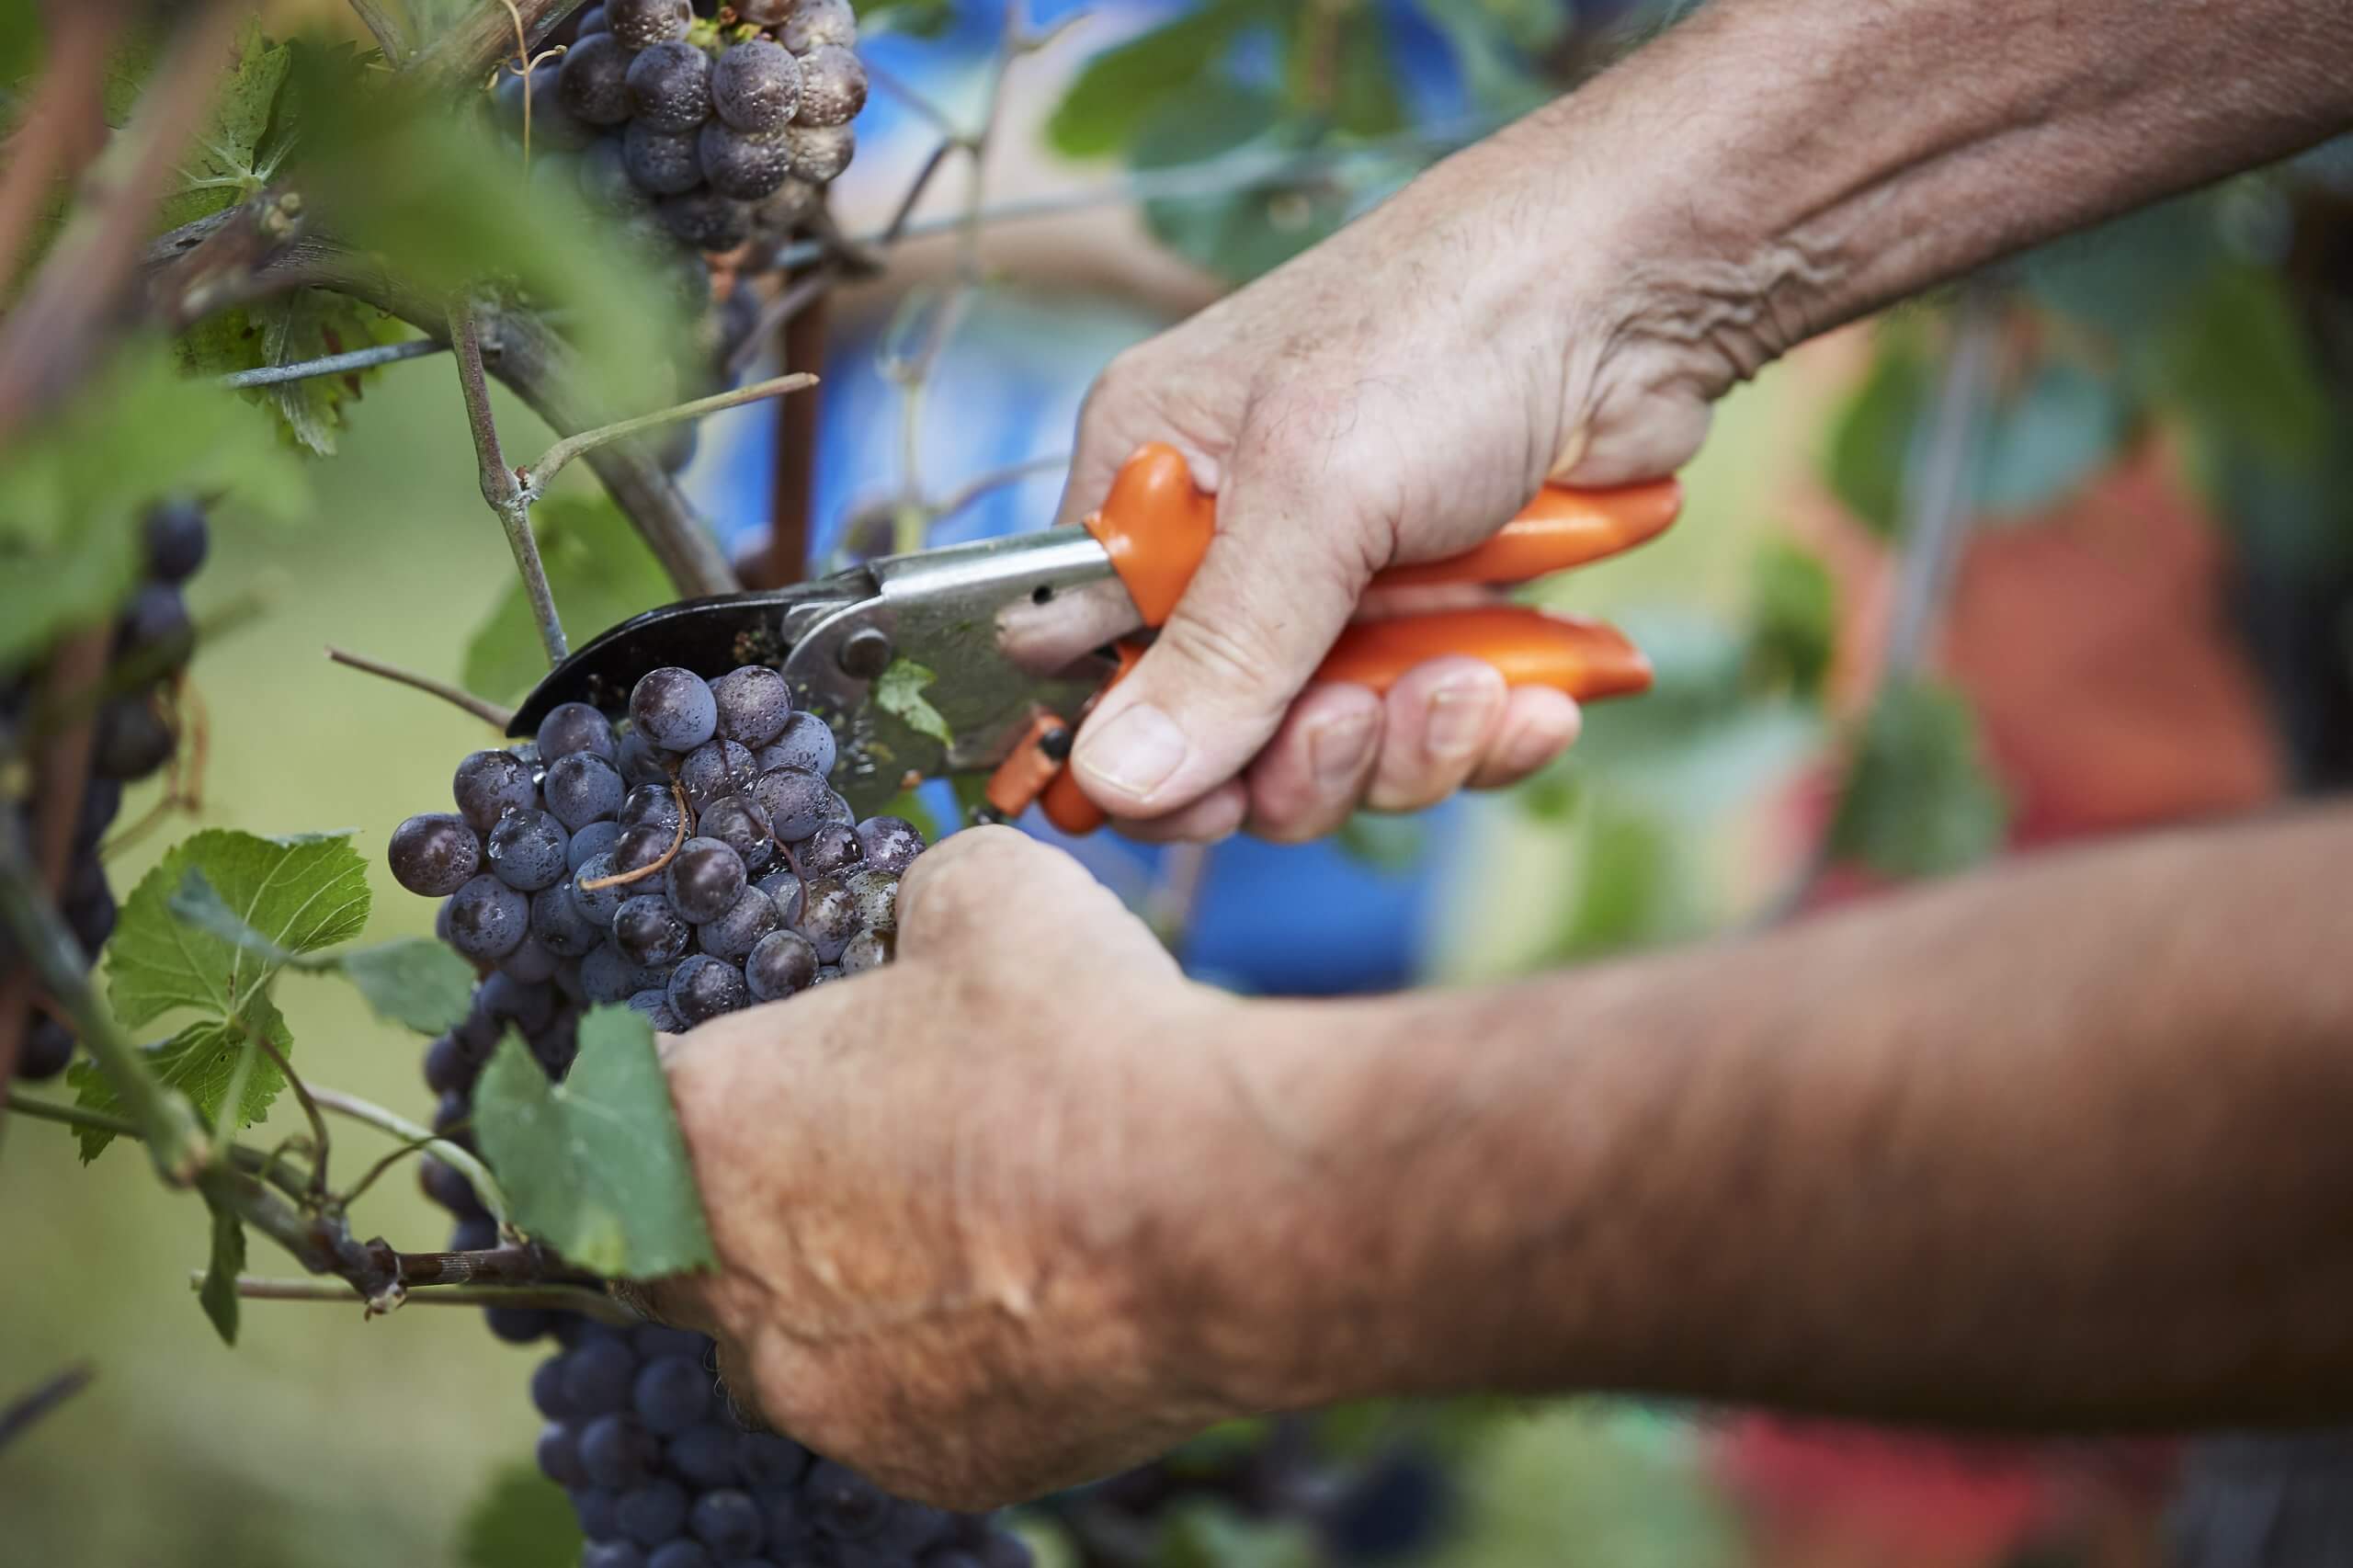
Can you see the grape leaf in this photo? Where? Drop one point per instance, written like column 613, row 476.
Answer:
column 521, row 1521
column 1108, row 103
column 595, row 1167
column 899, row 691
column 1871, row 437
column 219, row 170
column 298, row 894
column 306, row 324
column 418, row 983
column 601, row 573
column 199, row 1062
column 1793, row 626
column 1919, row 801
column 2049, row 439
column 219, row 1293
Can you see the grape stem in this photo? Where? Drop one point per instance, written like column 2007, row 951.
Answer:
column 562, row 1298
column 678, row 840
column 485, row 1186
column 387, row 23
column 44, row 1397
column 269, row 1166
column 535, row 479
column 490, row 713
column 502, row 486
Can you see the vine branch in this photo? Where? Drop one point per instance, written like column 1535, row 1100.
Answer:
column 503, row 488
column 44, row 1397
column 563, row 1298
column 535, row 479
column 490, row 713
column 485, row 1186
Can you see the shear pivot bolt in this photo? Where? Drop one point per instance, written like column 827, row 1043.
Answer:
column 866, row 653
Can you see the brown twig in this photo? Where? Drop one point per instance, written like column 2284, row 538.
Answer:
column 44, row 1397
column 579, row 1299
column 482, row 37
column 535, row 479
column 792, row 472
column 489, row 712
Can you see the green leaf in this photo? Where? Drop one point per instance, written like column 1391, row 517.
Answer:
column 595, row 1167
column 899, row 691
column 521, row 1521
column 2124, row 276
column 2235, row 362
column 1108, row 102
column 601, row 573
column 1794, row 626
column 2049, row 439
column 307, row 324
column 1214, row 1534
column 199, row 1060
column 219, row 1294
column 1871, row 437
column 298, row 894
column 916, row 19
column 220, row 170
column 417, row 983
column 1919, row 801
column 1242, row 234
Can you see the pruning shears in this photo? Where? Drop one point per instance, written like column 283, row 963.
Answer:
column 982, row 659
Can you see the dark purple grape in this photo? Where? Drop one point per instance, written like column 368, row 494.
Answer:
column 598, row 905
column 769, row 1462
column 682, row 1553
column 779, row 964
column 615, row 1449
column 612, row 1553
column 653, row 1007
column 660, row 164
column 653, row 1512
column 733, row 936
column 892, row 843
column 639, row 24
column 789, row 1530
column 704, row 879
column 674, row 709
column 844, row 1504
column 728, row 1522
column 582, row 788
column 755, row 86
column 448, row 1069
column 603, row 172
column 447, row 1186
column 833, row 87
column 559, row 1455
column 531, row 960
column 705, row 1455
column 649, row 804
column 592, row 21
column 177, row 539
column 715, row 768
column 828, row 917
column 669, row 86
column 671, row 1394
column 648, row 931
column 794, row 800
column 552, row 125
column 806, row 742
column 46, row 1050
column 877, row 898
column 526, row 850
column 433, row 855
column 837, row 809
column 506, row 1000
column 640, row 761
column 593, row 1507
column 132, row 739
column 867, row 950
column 556, row 1050
column 702, row 987
column 597, row 1374
column 560, row 923
column 488, row 785
column 639, row 848
column 1002, row 1549
column 547, row 1390
column 652, row 1341
column 155, row 629
column 592, row 838
column 607, row 977
column 592, row 84
column 820, row 152
column 709, row 222
column 743, row 827
column 831, row 850
column 745, row 166
column 487, row 918
column 813, row 23
column 575, row 727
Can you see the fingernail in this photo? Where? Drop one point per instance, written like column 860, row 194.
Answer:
column 1134, row 754
column 1337, row 748
column 1458, row 719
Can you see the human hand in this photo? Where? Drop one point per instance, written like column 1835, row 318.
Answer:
column 1394, row 394
column 938, row 1193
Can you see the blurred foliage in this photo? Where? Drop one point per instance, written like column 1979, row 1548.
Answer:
column 521, row 1521
column 1918, row 800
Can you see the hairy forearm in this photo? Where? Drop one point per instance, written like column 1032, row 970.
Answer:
column 2066, row 1144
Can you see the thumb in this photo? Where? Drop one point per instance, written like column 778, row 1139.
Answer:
column 1281, row 578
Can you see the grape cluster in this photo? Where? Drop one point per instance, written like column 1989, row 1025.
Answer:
column 689, row 861
column 131, row 739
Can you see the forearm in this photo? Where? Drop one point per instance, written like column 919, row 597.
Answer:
column 2066, row 1144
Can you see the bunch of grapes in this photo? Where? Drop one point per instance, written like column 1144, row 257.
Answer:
column 688, row 862
column 132, row 738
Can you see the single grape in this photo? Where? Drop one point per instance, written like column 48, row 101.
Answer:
column 582, row 788
column 592, row 83
column 653, row 1512
column 674, row 709
column 702, row 987
column 608, row 977
column 794, row 800
column 728, row 1522
column 615, row 1452
column 510, row 1001
column 837, row 809
column 733, row 936
column 433, row 855
column 789, row 1530
column 653, row 1007
column 652, row 1341
column 784, row 208
column 892, row 843
column 820, row 152
column 613, row 1553
column 446, row 1068
column 526, row 850
column 559, row 1455
column 704, row 879
column 755, row 86
column 487, row 918
column 827, row 974
column 714, row 768
column 907, row 1529
column 592, row 21
column 575, row 726
column 560, row 925
column 744, row 165
column 488, row 785
column 475, row 1233
column 598, row 905
column 640, row 24
column 46, row 1051
column 648, row 931
column 807, row 742
column 155, row 629
column 599, row 1372
column 649, row 804
column 593, row 1507
column 769, row 1462
column 813, row 23
column 669, row 86
column 532, row 959
column 177, row 538
column 671, row 1394
column 590, row 838
column 877, row 898
column 828, row 917
column 640, row 761
column 779, row 964
column 709, row 222
column 547, row 1390
column 552, row 125
column 639, row 848
column 659, row 163
column 844, row 1504
column 704, row 1455
column 132, row 738
column 555, row 1050
column 867, row 950
column 682, row 1553
column 743, row 827
column 833, row 87
column 832, row 850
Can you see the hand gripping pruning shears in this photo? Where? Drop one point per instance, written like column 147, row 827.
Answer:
column 982, row 659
